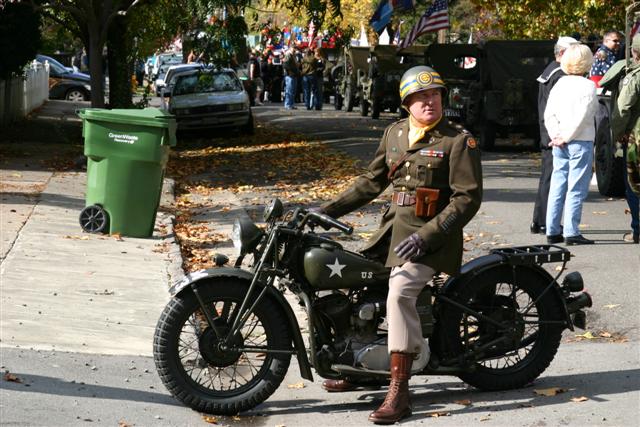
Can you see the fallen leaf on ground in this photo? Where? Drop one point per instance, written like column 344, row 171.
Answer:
column 611, row 305
column 436, row 414
column 77, row 237
column 552, row 391
column 8, row 376
column 579, row 399
column 587, row 335
column 117, row 237
column 494, row 222
column 465, row 402
column 605, row 334
column 236, row 418
column 600, row 212
column 558, row 268
column 209, row 419
column 296, row 385
column 365, row 235
column 486, row 418
column 124, row 424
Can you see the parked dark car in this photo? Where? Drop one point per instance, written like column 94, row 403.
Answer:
column 64, row 83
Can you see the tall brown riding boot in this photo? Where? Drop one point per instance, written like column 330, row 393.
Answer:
column 396, row 405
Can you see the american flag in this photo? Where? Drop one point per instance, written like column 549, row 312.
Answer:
column 434, row 19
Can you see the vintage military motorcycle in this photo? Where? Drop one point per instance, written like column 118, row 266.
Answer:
column 224, row 342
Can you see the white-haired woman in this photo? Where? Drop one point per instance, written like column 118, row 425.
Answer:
column 570, row 121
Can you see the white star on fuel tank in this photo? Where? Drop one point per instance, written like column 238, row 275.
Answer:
column 336, row 268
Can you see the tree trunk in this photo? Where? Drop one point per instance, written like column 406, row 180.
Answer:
column 120, row 64
column 96, row 70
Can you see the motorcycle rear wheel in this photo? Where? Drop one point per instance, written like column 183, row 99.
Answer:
column 532, row 345
column 214, row 381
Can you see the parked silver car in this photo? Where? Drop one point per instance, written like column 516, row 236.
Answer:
column 210, row 98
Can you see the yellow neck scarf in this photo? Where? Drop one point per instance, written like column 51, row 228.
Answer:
column 417, row 129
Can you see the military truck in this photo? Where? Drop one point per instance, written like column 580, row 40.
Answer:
column 379, row 88
column 498, row 94
column 609, row 162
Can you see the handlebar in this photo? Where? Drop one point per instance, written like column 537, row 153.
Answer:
column 327, row 222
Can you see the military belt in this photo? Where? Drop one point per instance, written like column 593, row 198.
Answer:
column 402, row 198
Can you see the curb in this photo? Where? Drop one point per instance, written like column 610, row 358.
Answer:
column 175, row 271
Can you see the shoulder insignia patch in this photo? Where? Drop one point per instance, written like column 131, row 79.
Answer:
column 471, row 143
column 625, row 81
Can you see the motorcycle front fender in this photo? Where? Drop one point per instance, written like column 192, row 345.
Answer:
column 204, row 278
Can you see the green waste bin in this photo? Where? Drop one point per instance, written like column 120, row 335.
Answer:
column 127, row 151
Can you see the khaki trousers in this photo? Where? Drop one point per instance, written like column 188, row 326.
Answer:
column 405, row 283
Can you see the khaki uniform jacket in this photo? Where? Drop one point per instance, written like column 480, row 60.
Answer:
column 626, row 109
column 446, row 159
column 626, row 119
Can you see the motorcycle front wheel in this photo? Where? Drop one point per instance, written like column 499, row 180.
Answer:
column 204, row 377
column 513, row 355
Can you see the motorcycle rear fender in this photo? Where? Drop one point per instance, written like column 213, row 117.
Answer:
column 192, row 279
column 486, row 262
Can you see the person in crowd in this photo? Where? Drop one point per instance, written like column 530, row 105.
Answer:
column 424, row 154
column 265, row 72
column 292, row 71
column 321, row 64
column 570, row 122
column 255, row 76
column 84, row 61
column 606, row 55
column 625, row 125
column 308, row 77
column 76, row 62
column 546, row 81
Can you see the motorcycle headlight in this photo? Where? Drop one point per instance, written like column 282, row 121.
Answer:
column 245, row 235
column 273, row 210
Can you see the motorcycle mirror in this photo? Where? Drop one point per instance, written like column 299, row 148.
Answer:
column 273, row 210
column 573, row 282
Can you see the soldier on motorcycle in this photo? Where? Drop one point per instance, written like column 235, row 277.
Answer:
column 434, row 167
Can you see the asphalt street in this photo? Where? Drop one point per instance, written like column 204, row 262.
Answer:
column 106, row 376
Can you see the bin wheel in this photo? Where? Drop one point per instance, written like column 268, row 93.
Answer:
column 93, row 219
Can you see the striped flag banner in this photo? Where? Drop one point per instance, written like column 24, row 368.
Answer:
column 434, row 19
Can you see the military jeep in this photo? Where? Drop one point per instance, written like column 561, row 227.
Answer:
column 334, row 58
column 379, row 89
column 354, row 66
column 498, row 94
column 459, row 65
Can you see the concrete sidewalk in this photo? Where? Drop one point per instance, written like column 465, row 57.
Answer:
column 63, row 289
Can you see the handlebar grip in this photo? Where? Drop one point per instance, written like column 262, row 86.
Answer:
column 345, row 228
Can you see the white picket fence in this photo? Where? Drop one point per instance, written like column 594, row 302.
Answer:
column 22, row 94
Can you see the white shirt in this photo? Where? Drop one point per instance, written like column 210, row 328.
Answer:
column 571, row 109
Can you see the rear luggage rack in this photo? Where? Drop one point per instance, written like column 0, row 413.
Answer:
column 534, row 254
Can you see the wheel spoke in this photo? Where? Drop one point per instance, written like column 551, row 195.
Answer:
column 509, row 305
column 201, row 364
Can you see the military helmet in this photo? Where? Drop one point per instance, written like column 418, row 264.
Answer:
column 417, row 79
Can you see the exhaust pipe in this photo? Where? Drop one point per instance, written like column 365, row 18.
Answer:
column 575, row 303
